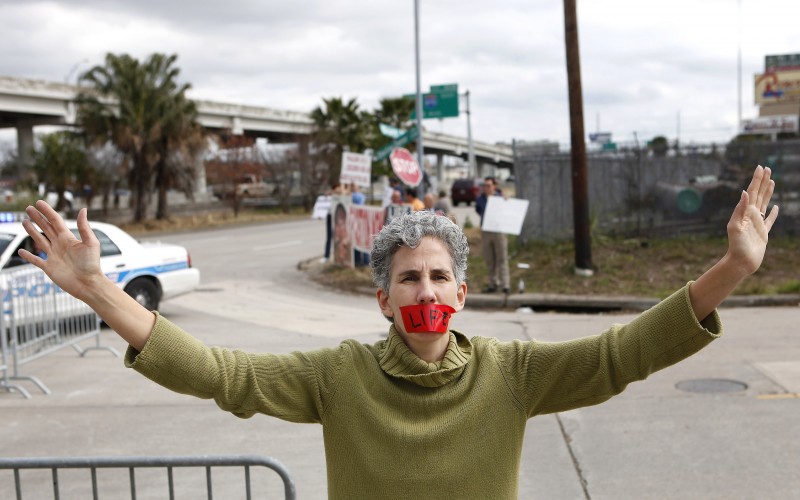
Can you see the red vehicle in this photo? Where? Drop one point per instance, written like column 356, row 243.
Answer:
column 466, row 190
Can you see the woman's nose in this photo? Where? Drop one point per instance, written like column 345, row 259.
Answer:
column 425, row 294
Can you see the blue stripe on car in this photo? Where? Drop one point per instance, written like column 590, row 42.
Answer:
column 120, row 276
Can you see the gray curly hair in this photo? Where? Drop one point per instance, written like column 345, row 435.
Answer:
column 408, row 230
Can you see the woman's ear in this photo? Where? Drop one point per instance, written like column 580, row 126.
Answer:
column 461, row 296
column 383, row 303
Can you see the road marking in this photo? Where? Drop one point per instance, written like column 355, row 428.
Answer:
column 278, row 245
column 788, row 395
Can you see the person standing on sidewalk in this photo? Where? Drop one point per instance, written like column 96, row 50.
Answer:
column 494, row 246
column 335, row 190
column 412, row 200
column 426, row 412
column 358, row 198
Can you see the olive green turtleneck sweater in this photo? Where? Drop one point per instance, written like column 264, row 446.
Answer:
column 396, row 426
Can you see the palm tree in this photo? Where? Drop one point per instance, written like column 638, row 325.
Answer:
column 182, row 142
column 141, row 109
column 60, row 158
column 395, row 112
column 339, row 126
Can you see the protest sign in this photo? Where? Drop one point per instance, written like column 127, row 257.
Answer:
column 356, row 168
column 504, row 215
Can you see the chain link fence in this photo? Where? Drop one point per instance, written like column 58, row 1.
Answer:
column 633, row 192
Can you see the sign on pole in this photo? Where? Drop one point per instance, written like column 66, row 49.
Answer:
column 405, row 166
column 777, row 87
column 440, row 102
column 408, row 136
column 782, row 62
column 771, row 125
column 600, row 137
column 356, row 168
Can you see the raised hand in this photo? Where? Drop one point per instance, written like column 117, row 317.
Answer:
column 72, row 264
column 749, row 226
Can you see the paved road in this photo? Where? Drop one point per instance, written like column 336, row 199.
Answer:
column 653, row 441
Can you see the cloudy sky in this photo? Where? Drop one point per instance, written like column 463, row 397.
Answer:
column 667, row 68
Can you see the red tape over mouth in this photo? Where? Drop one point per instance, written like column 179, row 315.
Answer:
column 426, row 318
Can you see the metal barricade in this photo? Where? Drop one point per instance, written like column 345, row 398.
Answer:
column 39, row 318
column 132, row 463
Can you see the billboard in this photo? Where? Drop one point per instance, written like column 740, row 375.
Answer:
column 782, row 62
column 770, row 125
column 777, row 87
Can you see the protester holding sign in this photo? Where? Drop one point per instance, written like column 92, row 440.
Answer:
column 494, row 245
column 426, row 412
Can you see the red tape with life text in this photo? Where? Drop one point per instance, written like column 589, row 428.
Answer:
column 426, row 318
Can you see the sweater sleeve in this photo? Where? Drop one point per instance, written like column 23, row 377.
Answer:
column 294, row 387
column 551, row 377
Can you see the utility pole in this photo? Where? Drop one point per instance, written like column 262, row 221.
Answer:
column 421, row 187
column 580, row 190
column 739, row 71
column 471, row 167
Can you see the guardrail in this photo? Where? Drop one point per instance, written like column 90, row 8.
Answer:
column 38, row 318
column 132, row 463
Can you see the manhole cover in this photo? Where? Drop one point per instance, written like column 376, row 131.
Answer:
column 711, row 385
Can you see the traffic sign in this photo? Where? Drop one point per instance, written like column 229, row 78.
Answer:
column 405, row 166
column 600, row 137
column 406, row 137
column 440, row 102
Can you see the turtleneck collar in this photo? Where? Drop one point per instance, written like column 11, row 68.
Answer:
column 397, row 360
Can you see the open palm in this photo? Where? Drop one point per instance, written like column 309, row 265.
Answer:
column 72, row 263
column 749, row 226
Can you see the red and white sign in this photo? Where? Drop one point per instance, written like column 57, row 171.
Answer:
column 356, row 168
column 405, row 166
column 364, row 223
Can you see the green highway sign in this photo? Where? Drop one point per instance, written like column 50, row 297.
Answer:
column 440, row 102
column 403, row 139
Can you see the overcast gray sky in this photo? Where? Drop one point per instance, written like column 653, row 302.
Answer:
column 650, row 68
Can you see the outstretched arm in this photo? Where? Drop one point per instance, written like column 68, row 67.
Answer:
column 74, row 265
column 748, row 233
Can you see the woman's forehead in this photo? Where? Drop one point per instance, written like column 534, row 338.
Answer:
column 431, row 253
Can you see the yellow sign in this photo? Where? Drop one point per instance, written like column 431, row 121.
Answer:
column 778, row 86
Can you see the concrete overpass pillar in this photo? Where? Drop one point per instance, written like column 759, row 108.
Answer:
column 200, row 177
column 25, row 144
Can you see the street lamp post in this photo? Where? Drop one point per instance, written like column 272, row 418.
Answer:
column 74, row 68
column 421, row 187
column 471, row 167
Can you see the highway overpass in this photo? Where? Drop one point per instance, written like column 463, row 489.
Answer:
column 27, row 103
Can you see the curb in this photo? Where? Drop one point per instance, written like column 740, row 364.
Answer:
column 584, row 303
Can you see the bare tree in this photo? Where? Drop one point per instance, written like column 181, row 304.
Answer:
column 283, row 169
column 236, row 158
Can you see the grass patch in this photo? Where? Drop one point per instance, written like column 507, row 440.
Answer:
column 637, row 267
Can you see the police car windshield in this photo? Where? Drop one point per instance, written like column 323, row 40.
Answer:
column 5, row 240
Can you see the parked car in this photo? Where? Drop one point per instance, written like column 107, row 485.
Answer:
column 465, row 190
column 148, row 272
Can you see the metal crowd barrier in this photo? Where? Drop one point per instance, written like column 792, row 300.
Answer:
column 133, row 463
column 39, row 318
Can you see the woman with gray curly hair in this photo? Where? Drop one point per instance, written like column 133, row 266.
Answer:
column 427, row 412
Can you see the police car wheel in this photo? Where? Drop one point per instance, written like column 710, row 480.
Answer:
column 144, row 292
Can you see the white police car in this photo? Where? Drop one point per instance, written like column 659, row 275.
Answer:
column 148, row 272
